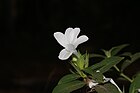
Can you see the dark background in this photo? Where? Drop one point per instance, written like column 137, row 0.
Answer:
column 28, row 51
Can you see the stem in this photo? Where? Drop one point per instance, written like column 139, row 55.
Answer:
column 126, row 77
column 81, row 73
column 122, row 74
column 75, row 53
column 116, row 68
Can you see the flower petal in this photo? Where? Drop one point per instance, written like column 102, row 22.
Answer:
column 67, row 33
column 64, row 54
column 80, row 40
column 73, row 35
column 61, row 38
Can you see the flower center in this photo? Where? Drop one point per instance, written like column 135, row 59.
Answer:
column 70, row 47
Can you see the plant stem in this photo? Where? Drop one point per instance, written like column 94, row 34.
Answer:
column 122, row 74
column 126, row 77
column 78, row 70
column 116, row 68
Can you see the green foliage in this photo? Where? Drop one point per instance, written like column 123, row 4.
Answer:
column 107, row 53
column 68, row 83
column 104, row 65
column 106, row 88
column 82, row 61
column 96, row 72
column 112, row 52
column 115, row 50
column 68, row 87
column 68, row 78
column 110, row 62
column 126, row 54
column 127, row 62
column 135, row 85
column 98, row 77
column 86, row 60
column 96, row 55
column 80, row 72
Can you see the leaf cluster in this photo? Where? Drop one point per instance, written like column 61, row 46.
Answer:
column 110, row 59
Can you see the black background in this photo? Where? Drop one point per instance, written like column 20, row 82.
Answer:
column 28, row 51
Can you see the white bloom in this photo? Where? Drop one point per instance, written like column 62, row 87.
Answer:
column 69, row 41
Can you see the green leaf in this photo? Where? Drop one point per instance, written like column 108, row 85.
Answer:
column 82, row 61
column 117, row 49
column 107, row 53
column 98, row 77
column 106, row 88
column 68, row 78
column 96, row 55
column 80, row 72
column 86, row 60
column 126, row 54
column 104, row 65
column 135, row 85
column 135, row 57
column 68, row 87
column 90, row 70
column 110, row 62
column 127, row 62
column 75, row 67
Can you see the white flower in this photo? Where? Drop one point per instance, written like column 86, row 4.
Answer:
column 69, row 41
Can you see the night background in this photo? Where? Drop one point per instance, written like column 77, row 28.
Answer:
column 29, row 53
